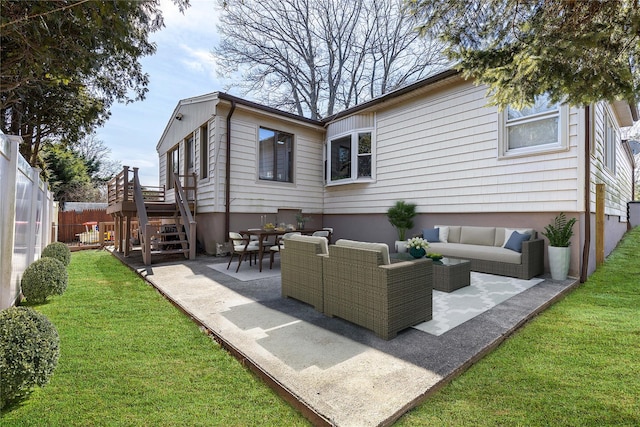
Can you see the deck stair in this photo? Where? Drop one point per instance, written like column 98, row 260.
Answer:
column 165, row 227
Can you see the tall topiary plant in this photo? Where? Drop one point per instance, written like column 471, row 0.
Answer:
column 29, row 350
column 59, row 251
column 44, row 277
column 401, row 216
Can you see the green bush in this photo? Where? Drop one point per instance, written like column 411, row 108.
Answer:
column 59, row 251
column 44, row 277
column 29, row 350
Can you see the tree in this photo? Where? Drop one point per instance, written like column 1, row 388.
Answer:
column 578, row 52
column 316, row 57
column 67, row 175
column 95, row 155
column 63, row 64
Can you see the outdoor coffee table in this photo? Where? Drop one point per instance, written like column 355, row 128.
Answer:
column 449, row 274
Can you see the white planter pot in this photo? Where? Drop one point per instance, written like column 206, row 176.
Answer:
column 559, row 259
column 401, row 246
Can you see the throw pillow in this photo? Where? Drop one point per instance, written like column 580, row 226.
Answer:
column 444, row 233
column 515, row 241
column 431, row 234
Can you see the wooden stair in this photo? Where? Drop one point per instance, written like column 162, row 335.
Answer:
column 165, row 228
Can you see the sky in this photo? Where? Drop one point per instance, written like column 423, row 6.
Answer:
column 182, row 67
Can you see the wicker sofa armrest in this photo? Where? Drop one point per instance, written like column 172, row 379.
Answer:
column 533, row 258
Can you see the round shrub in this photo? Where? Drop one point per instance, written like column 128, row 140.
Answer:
column 29, row 350
column 59, row 251
column 44, row 277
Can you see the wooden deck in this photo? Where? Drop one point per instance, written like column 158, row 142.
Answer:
column 153, row 215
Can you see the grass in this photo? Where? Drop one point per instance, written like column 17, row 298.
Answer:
column 130, row 358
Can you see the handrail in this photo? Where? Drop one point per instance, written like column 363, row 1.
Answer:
column 143, row 219
column 185, row 212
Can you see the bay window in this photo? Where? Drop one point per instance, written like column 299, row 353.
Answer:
column 350, row 158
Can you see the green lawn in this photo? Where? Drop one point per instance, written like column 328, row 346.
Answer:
column 128, row 357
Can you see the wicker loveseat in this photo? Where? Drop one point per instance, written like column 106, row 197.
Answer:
column 363, row 287
column 485, row 248
column 302, row 271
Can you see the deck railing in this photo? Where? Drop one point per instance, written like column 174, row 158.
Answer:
column 120, row 188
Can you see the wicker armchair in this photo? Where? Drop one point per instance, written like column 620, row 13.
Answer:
column 386, row 298
column 301, row 268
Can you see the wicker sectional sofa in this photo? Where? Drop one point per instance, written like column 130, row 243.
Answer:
column 359, row 284
column 484, row 247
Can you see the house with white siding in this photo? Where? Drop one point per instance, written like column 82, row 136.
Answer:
column 436, row 143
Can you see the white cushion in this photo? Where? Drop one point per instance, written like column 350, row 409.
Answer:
column 322, row 241
column 383, row 248
column 444, row 233
column 509, row 231
column 252, row 247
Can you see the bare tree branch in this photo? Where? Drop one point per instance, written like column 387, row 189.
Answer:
column 315, row 57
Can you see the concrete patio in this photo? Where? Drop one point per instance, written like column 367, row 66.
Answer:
column 334, row 372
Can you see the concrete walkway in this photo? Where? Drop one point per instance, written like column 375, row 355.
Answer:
column 335, row 372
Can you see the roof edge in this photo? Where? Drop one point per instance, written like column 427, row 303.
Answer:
column 272, row 110
column 393, row 94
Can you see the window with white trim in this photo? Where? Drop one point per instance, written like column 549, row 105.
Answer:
column 189, row 154
column 539, row 128
column 275, row 155
column 173, row 164
column 204, row 151
column 344, row 151
column 611, row 138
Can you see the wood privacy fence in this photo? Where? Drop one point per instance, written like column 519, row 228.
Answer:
column 71, row 223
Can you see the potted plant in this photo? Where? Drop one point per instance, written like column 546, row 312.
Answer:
column 301, row 220
column 559, row 234
column 401, row 217
column 417, row 247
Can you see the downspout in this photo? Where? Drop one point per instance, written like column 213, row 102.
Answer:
column 227, row 177
column 587, row 195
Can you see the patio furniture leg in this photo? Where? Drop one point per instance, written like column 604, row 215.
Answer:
column 240, row 260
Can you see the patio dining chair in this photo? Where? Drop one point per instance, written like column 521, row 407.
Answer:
column 279, row 246
column 239, row 247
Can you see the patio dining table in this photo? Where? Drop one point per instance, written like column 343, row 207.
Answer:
column 263, row 235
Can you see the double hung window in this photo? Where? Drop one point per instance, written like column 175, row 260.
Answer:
column 538, row 128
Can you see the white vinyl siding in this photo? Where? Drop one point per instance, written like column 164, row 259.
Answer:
column 248, row 192
column 440, row 152
column 610, row 164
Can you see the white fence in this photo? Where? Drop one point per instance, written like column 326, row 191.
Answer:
column 27, row 211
